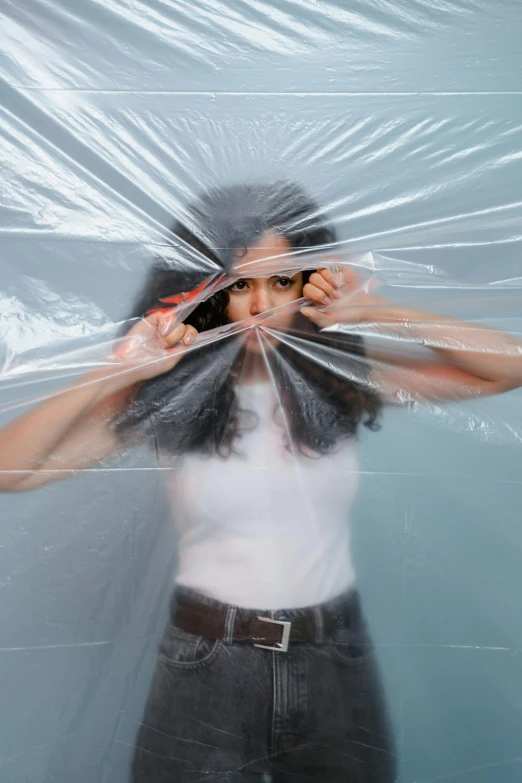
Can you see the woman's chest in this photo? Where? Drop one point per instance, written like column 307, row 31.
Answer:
column 266, row 483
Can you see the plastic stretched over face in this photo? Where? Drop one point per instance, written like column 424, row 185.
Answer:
column 401, row 122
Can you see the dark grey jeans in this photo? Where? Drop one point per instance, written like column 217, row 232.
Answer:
column 228, row 711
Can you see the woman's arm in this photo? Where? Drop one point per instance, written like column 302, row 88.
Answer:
column 469, row 360
column 73, row 429
column 66, row 432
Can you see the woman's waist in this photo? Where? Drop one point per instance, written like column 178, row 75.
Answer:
column 347, row 601
column 263, row 543
column 201, row 615
column 269, row 573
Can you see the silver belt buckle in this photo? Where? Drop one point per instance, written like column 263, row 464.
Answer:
column 281, row 646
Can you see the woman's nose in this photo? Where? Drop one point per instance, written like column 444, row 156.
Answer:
column 260, row 302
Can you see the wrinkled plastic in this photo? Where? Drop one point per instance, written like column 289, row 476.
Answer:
column 402, row 121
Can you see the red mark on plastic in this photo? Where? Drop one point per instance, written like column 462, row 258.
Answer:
column 185, row 297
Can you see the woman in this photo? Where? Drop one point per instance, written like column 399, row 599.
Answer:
column 266, row 670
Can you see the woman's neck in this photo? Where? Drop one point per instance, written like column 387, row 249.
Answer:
column 254, row 370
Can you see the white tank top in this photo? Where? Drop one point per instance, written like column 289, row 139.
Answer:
column 265, row 528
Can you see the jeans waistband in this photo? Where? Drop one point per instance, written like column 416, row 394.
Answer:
column 342, row 610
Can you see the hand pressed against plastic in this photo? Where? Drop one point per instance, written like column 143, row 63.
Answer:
column 344, row 299
column 154, row 345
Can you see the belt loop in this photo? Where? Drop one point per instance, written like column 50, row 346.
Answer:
column 228, row 636
column 319, row 625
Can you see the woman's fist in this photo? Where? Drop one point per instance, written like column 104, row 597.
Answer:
column 335, row 300
column 154, row 346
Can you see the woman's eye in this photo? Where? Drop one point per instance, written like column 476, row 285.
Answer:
column 285, row 282
column 239, row 286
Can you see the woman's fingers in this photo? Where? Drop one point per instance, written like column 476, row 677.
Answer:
column 180, row 333
column 165, row 329
column 319, row 290
column 323, row 285
column 347, row 277
column 333, row 280
column 172, row 336
column 311, row 313
column 319, row 319
column 155, row 345
column 316, row 295
column 190, row 335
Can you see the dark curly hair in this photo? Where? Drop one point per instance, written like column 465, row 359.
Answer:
column 322, row 379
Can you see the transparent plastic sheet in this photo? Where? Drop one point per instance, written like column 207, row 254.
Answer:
column 402, row 122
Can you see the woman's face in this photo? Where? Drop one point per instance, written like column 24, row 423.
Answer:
column 253, row 296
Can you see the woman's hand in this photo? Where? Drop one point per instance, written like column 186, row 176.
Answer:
column 476, row 360
column 345, row 300
column 154, row 346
